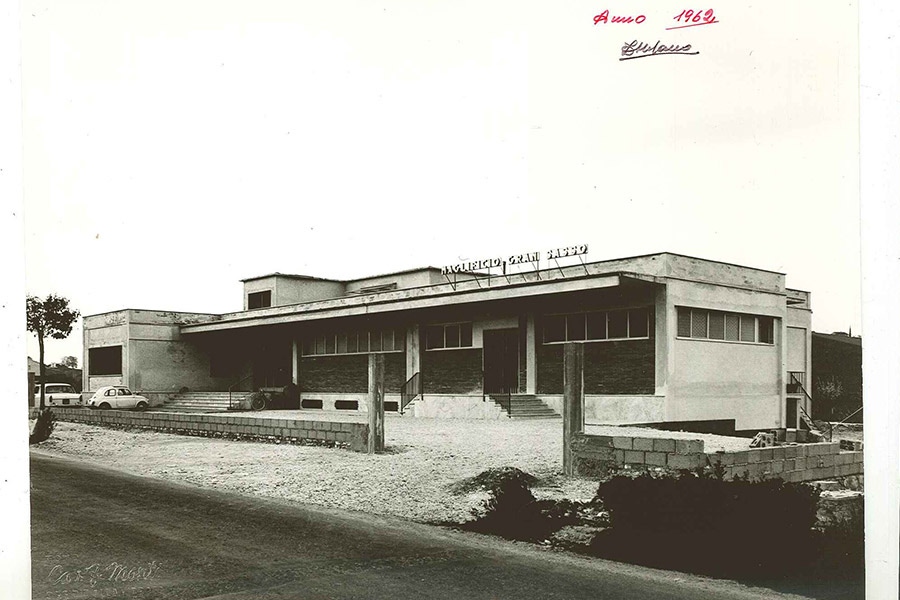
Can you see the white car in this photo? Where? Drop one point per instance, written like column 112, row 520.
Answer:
column 58, row 394
column 117, row 396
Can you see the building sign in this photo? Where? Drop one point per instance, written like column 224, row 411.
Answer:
column 515, row 259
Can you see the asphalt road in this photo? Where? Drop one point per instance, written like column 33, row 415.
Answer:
column 99, row 533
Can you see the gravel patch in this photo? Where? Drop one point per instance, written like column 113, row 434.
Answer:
column 413, row 479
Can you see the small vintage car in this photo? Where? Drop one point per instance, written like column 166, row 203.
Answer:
column 58, row 394
column 117, row 396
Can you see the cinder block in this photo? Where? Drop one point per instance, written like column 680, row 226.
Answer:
column 766, row 454
column 329, row 435
column 623, row 443
column 778, row 453
column 603, row 441
column 777, row 467
column 790, row 451
column 802, row 450
column 663, row 445
column 827, row 460
column 800, row 464
column 688, row 446
column 684, row 461
column 726, row 459
column 657, row 459
column 644, row 444
column 619, row 456
column 634, row 457
column 325, row 426
column 754, row 456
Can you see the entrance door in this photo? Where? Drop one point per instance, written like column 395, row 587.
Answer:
column 791, row 413
column 501, row 361
column 272, row 363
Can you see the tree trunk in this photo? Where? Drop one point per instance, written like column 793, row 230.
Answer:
column 40, row 337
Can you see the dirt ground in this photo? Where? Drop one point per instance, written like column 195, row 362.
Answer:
column 423, row 458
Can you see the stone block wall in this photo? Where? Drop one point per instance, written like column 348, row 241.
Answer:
column 350, row 435
column 596, row 455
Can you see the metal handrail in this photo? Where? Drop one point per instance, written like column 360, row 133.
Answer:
column 410, row 390
column 832, row 426
column 234, row 385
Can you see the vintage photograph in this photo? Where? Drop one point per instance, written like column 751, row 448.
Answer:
column 443, row 300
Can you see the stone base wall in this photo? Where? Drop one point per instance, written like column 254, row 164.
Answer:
column 350, row 435
column 597, row 455
column 449, row 406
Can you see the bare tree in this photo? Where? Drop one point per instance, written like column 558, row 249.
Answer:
column 50, row 317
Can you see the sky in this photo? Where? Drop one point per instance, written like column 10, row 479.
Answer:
column 172, row 149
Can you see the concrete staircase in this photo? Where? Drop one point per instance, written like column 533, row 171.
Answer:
column 526, row 406
column 201, row 402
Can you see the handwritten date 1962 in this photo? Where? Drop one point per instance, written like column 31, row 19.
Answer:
column 696, row 16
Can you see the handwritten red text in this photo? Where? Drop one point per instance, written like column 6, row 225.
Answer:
column 605, row 18
column 691, row 18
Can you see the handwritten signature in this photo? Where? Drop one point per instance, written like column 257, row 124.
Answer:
column 96, row 572
column 637, row 49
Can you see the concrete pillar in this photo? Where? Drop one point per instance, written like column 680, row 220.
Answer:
column 779, row 330
column 295, row 361
column 530, row 355
column 573, row 401
column 413, row 357
column 376, row 403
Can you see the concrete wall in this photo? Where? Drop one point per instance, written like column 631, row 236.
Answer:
column 709, row 379
column 351, row 435
column 295, row 291
column 595, row 455
column 155, row 359
column 449, row 406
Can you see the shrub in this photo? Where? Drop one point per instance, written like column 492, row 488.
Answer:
column 686, row 519
column 43, row 427
column 511, row 510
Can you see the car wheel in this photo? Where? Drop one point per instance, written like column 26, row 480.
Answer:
column 105, row 406
column 141, row 406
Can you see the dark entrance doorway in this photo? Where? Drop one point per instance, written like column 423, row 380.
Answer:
column 272, row 363
column 501, row 361
column 791, row 413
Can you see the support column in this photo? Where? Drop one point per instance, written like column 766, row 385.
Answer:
column 376, row 403
column 530, row 355
column 573, row 401
column 295, row 362
column 413, row 356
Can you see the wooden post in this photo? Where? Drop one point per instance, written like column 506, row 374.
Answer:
column 573, row 401
column 376, row 403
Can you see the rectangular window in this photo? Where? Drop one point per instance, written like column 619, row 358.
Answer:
column 465, row 335
column 748, row 328
column 375, row 341
column 732, row 327
column 617, row 324
column 434, row 337
column 597, row 326
column 638, row 323
column 105, row 361
column 716, row 325
column 766, row 330
column 684, row 322
column 575, row 327
column 353, row 342
column 696, row 323
column 699, row 323
column 259, row 299
column 451, row 335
